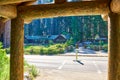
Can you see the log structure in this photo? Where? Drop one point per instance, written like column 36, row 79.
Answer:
column 65, row 9
column 115, row 6
column 4, row 2
column 21, row 11
column 114, row 47
column 27, row 3
column 105, row 17
column 16, row 52
column 8, row 11
column 60, row 1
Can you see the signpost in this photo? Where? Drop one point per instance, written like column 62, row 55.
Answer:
column 77, row 48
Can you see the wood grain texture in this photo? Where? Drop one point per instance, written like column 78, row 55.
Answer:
column 60, row 1
column 5, row 2
column 8, row 11
column 114, row 47
column 27, row 3
column 16, row 50
column 115, row 6
column 66, row 9
column 105, row 17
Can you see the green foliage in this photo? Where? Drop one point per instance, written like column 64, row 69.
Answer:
column 69, row 45
column 34, row 71
column 51, row 42
column 99, row 47
column 4, row 64
column 105, row 47
column 43, row 50
column 69, row 42
column 31, row 70
column 7, row 50
column 81, row 28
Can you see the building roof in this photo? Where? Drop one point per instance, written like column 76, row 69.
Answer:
column 36, row 37
column 52, row 37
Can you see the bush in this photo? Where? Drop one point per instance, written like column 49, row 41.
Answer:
column 99, row 47
column 32, row 49
column 105, row 47
column 51, row 51
column 4, row 64
column 31, row 71
column 94, row 47
column 43, row 50
column 70, row 48
column 7, row 50
column 34, row 71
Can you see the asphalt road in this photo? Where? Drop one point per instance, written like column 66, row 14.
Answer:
column 67, row 68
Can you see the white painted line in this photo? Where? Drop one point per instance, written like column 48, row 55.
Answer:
column 61, row 66
column 98, row 70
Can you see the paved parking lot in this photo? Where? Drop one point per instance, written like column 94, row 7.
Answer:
column 66, row 68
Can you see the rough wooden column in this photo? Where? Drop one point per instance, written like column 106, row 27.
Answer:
column 114, row 46
column 16, row 51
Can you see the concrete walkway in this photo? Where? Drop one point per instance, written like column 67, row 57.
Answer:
column 87, row 53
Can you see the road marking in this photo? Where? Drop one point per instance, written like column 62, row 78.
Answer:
column 61, row 66
column 98, row 70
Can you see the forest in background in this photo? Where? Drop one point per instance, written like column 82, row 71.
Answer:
column 89, row 31
column 79, row 28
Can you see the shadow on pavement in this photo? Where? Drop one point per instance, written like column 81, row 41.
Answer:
column 78, row 61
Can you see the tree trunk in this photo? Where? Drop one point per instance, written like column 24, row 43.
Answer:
column 114, row 47
column 16, row 56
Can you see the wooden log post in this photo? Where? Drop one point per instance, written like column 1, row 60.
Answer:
column 114, row 46
column 16, row 50
column 115, row 6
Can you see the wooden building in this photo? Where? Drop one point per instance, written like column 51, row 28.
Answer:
column 58, row 38
column 36, row 40
column 22, row 11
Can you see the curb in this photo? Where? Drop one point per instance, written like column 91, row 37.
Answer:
column 86, row 55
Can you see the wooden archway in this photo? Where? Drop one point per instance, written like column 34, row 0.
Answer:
column 21, row 11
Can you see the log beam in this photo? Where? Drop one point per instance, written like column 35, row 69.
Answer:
column 8, row 11
column 65, row 9
column 105, row 17
column 28, row 3
column 115, row 6
column 16, row 49
column 60, row 1
column 4, row 19
column 5, row 2
column 27, row 21
column 114, row 46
